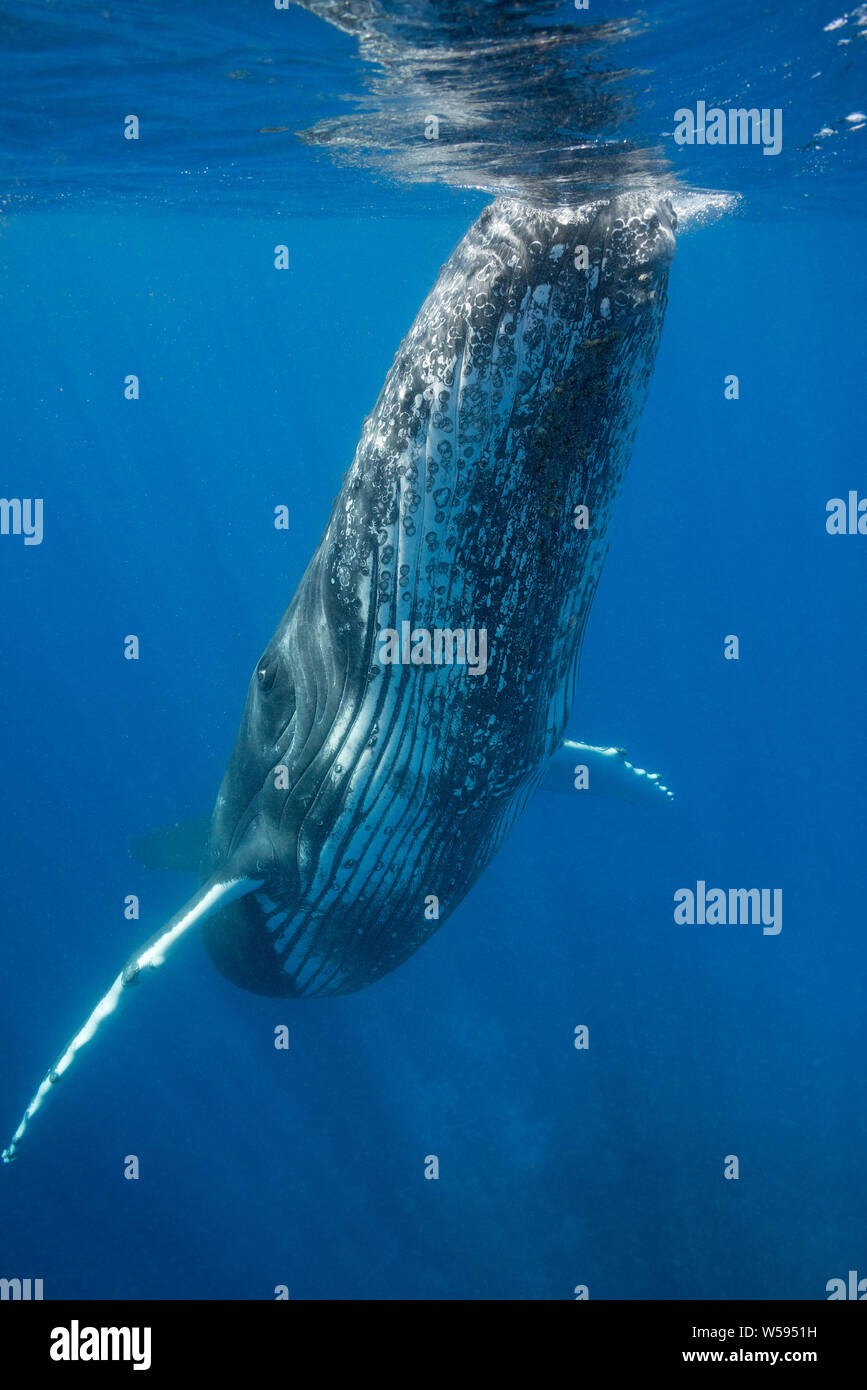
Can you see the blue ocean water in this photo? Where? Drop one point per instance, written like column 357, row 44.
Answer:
column 305, row 1168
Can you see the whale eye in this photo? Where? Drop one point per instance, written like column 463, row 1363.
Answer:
column 266, row 672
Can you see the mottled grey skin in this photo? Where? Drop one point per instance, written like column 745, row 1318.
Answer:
column 513, row 399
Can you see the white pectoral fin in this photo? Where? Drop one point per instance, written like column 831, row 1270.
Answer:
column 581, row 767
column 209, row 899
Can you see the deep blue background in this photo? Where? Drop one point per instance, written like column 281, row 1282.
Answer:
column 557, row 1167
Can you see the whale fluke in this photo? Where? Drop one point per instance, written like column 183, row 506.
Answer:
column 211, row 897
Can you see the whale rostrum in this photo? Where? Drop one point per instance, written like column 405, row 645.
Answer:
column 369, row 780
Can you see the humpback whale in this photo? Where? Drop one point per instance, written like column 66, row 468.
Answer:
column 479, row 501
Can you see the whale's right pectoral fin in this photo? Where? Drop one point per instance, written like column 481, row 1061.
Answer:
column 603, row 771
column 211, row 897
